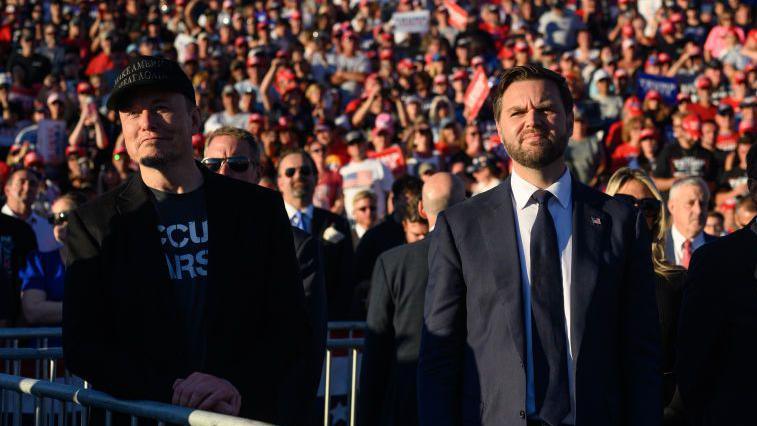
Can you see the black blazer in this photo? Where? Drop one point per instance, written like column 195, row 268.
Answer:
column 338, row 262
column 311, row 271
column 471, row 366
column 395, row 320
column 17, row 240
column 717, row 347
column 382, row 237
column 119, row 314
column 670, row 254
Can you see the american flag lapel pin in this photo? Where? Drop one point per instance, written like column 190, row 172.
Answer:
column 596, row 221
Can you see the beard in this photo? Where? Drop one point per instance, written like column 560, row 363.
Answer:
column 549, row 149
column 158, row 161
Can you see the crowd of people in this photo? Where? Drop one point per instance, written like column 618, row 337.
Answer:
column 367, row 132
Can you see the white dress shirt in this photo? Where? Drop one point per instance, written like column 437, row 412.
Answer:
column 561, row 208
column 307, row 215
column 42, row 230
column 679, row 240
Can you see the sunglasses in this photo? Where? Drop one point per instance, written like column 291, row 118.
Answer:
column 304, row 171
column 237, row 164
column 649, row 206
column 58, row 219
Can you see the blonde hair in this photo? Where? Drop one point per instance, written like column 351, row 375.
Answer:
column 660, row 226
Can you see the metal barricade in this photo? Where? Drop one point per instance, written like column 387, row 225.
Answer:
column 353, row 345
column 162, row 413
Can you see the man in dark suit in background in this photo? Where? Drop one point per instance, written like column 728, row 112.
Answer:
column 540, row 306
column 17, row 240
column 716, row 366
column 169, row 294
column 687, row 203
column 395, row 317
column 387, row 234
column 233, row 152
column 297, row 177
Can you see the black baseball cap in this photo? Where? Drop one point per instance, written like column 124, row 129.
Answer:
column 150, row 71
column 354, row 137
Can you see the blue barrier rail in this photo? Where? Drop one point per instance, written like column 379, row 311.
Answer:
column 164, row 413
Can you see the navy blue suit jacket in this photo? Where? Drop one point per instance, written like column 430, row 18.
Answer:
column 471, row 367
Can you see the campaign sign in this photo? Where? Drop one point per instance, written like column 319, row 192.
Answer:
column 51, row 141
column 476, row 94
column 458, row 17
column 668, row 87
column 411, row 22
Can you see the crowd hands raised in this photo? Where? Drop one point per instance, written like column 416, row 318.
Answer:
column 366, row 130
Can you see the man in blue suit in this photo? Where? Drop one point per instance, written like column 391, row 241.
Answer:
column 540, row 306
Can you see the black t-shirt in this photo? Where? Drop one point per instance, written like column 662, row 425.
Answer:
column 732, row 179
column 183, row 228
column 35, row 67
column 17, row 240
column 676, row 162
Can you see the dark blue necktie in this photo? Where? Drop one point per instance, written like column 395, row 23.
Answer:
column 548, row 318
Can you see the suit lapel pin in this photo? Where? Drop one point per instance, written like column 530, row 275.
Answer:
column 596, row 221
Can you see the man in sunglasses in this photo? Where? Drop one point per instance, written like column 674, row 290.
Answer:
column 181, row 285
column 716, row 347
column 297, row 176
column 232, row 152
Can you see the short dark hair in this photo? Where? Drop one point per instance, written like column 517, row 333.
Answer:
column 242, row 135
column 529, row 72
column 751, row 162
column 410, row 211
column 308, row 159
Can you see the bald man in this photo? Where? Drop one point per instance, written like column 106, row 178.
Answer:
column 395, row 317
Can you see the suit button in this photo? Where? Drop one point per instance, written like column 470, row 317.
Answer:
column 522, row 414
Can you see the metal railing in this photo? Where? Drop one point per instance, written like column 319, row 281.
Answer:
column 47, row 362
column 42, row 391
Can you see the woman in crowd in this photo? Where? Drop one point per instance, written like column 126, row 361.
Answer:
column 42, row 279
column 634, row 187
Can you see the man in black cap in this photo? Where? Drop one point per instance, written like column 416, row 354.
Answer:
column 219, row 304
column 716, row 347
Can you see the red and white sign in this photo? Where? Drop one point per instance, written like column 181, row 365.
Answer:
column 392, row 158
column 475, row 94
column 458, row 17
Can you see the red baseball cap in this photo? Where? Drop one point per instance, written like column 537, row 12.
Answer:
column 704, row 83
column 240, row 41
column 676, row 18
column 506, row 53
column 459, row 75
column 667, row 28
column 440, row 79
column 198, row 141
column 255, row 118
column 405, row 63
column 253, row 60
column 521, row 46
column 84, row 88
column 746, row 127
column 648, row 134
column 663, row 58
column 653, row 95
column 385, row 54
column 739, row 77
column 692, row 125
column 32, row 158
column 74, row 150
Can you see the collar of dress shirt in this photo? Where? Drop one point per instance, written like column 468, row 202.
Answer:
column 291, row 210
column 7, row 211
column 679, row 239
column 523, row 190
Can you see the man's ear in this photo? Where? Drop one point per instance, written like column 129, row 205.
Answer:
column 421, row 210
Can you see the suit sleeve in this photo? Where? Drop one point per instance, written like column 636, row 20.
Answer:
column 379, row 348
column 88, row 348
column 701, row 321
column 641, row 346
column 443, row 335
column 288, row 332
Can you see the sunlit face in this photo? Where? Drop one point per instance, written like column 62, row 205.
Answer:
column 714, row 225
column 158, row 127
column 688, row 210
column 22, row 189
column 364, row 212
column 296, row 178
column 226, row 146
column 533, row 123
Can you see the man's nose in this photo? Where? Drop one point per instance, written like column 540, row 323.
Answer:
column 225, row 170
column 146, row 119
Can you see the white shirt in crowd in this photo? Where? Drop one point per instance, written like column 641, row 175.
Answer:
column 42, row 230
column 679, row 240
column 560, row 207
column 220, row 119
